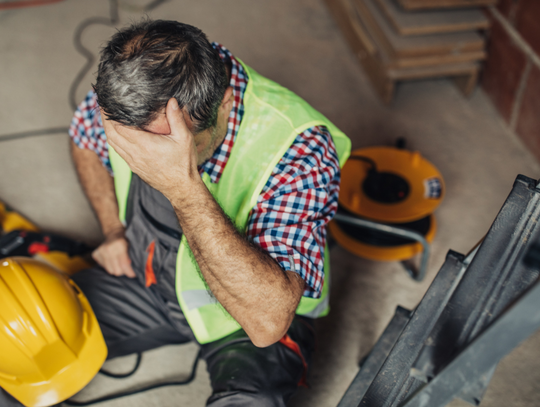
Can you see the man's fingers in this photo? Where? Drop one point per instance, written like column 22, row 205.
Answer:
column 96, row 255
column 115, row 139
column 126, row 268
column 122, row 264
column 118, row 148
column 113, row 257
column 106, row 262
column 175, row 118
column 115, row 142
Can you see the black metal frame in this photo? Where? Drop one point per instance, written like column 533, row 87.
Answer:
column 477, row 309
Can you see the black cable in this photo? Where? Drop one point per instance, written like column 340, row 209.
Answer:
column 154, row 4
column 123, row 375
column 158, row 385
column 365, row 159
column 149, row 7
column 141, row 390
column 90, row 57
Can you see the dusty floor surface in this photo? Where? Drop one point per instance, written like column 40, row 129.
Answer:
column 297, row 44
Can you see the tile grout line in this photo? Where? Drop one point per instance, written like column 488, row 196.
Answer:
column 515, row 36
column 520, row 91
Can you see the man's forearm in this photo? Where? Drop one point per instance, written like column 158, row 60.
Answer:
column 98, row 186
column 249, row 284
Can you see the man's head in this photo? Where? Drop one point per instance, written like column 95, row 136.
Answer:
column 146, row 64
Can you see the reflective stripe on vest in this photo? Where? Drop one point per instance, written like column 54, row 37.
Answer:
column 273, row 118
column 197, row 298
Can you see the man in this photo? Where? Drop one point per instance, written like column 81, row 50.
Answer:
column 214, row 224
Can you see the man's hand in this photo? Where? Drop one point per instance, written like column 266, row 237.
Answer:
column 166, row 162
column 99, row 188
column 112, row 255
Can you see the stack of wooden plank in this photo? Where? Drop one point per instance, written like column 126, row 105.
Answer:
column 398, row 40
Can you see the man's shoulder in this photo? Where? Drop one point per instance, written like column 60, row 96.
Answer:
column 89, row 105
column 310, row 163
column 312, row 148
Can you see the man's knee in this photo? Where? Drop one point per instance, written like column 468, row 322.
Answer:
column 244, row 375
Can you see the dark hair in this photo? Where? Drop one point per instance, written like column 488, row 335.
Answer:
column 147, row 63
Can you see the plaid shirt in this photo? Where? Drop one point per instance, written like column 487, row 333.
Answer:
column 298, row 200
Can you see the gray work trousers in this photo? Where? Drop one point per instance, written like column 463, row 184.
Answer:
column 135, row 318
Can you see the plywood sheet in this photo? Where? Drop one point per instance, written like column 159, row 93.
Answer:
column 432, row 21
column 465, row 69
column 415, row 46
column 437, row 4
column 365, row 43
column 438, row 60
column 383, row 71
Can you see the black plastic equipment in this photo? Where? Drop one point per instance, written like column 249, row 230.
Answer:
column 478, row 308
column 28, row 243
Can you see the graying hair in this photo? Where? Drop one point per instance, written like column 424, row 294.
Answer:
column 147, row 63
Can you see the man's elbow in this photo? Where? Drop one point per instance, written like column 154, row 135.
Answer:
column 263, row 341
column 269, row 333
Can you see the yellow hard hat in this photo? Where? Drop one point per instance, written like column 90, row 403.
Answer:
column 50, row 340
column 11, row 220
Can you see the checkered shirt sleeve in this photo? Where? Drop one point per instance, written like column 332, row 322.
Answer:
column 299, row 199
column 86, row 129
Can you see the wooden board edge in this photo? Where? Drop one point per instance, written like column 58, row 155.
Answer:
column 446, row 29
column 452, row 70
column 434, row 29
column 370, row 59
column 415, row 5
column 381, row 76
column 365, row 13
column 436, row 60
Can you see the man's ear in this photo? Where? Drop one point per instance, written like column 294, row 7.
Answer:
column 227, row 100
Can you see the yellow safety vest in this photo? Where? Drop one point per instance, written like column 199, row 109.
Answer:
column 273, row 118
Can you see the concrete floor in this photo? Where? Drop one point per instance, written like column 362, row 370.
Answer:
column 297, row 44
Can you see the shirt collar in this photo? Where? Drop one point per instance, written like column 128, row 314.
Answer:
column 215, row 165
